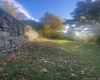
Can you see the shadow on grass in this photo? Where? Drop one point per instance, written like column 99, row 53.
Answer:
column 49, row 60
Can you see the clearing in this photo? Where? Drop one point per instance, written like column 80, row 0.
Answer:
column 45, row 59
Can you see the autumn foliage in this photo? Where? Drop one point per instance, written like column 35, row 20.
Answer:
column 53, row 26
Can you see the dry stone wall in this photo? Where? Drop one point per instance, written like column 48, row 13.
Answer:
column 13, row 34
column 31, row 34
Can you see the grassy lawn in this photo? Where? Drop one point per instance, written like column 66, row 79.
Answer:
column 45, row 59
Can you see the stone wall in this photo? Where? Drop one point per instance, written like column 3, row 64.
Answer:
column 31, row 34
column 13, row 34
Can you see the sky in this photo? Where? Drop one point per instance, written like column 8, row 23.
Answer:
column 37, row 8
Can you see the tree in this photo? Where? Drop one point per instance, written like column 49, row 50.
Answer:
column 12, row 9
column 9, row 7
column 87, row 14
column 53, row 25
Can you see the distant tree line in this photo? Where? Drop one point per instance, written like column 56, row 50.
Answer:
column 34, row 24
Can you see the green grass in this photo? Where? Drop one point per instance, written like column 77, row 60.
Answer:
column 45, row 59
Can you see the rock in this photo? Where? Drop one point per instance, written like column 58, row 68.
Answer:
column 6, row 43
column 9, row 19
column 4, row 25
column 2, row 56
column 3, row 34
column 4, row 52
column 1, row 29
column 13, row 33
column 10, row 50
column 1, row 43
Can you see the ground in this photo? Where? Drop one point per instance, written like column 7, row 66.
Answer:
column 45, row 59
